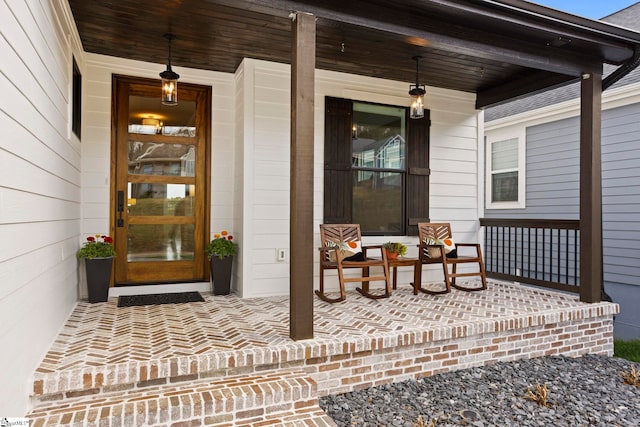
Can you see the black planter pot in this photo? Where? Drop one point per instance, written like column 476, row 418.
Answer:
column 98, row 278
column 221, row 275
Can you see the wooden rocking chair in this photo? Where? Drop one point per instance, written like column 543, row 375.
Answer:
column 335, row 238
column 432, row 250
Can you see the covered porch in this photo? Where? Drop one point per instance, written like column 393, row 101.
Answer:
column 485, row 53
column 269, row 76
column 230, row 361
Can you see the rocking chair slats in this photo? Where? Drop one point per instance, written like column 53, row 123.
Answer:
column 332, row 236
column 429, row 232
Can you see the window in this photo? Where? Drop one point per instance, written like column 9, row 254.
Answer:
column 76, row 99
column 505, row 180
column 376, row 167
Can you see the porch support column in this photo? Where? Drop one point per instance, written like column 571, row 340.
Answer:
column 303, row 63
column 591, row 276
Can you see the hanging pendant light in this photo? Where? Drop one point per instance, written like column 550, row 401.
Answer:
column 169, row 79
column 417, row 91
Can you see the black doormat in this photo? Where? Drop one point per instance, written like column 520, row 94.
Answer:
column 153, row 299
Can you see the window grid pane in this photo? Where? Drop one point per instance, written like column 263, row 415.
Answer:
column 504, row 187
column 377, row 201
column 504, row 155
column 378, row 163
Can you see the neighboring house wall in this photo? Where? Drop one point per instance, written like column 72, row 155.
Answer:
column 552, row 186
column 40, row 193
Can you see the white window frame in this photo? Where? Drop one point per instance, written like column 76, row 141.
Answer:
column 500, row 136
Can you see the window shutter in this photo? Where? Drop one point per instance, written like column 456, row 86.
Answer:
column 337, row 161
column 417, row 172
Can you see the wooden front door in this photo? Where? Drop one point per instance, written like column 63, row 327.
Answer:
column 160, row 171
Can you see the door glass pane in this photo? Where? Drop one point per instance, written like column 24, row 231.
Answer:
column 152, row 158
column 160, row 242
column 377, row 201
column 147, row 115
column 151, row 199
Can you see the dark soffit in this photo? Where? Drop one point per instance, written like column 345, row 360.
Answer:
column 499, row 50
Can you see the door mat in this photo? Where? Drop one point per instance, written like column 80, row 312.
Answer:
column 153, row 299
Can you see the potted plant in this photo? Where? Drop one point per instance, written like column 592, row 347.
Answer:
column 98, row 253
column 221, row 250
column 394, row 249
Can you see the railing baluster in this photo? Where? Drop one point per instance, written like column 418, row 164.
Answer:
column 559, row 250
column 575, row 257
column 566, row 256
column 521, row 251
column 545, row 263
column 502, row 246
column 529, row 254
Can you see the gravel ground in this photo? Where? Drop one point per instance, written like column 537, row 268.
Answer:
column 587, row 391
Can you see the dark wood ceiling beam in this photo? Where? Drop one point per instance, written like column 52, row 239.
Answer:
column 563, row 62
column 521, row 86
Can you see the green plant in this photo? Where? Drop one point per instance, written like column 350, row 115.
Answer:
column 222, row 245
column 396, row 247
column 98, row 246
column 629, row 350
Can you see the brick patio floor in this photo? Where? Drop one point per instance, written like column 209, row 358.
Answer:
column 107, row 352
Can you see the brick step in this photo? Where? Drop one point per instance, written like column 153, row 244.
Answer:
column 283, row 398
column 77, row 378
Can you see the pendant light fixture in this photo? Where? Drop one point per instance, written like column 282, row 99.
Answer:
column 169, row 79
column 417, row 92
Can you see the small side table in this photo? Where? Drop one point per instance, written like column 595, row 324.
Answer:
column 405, row 262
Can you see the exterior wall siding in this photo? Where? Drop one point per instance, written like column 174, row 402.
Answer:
column 266, row 149
column 552, row 191
column 40, row 191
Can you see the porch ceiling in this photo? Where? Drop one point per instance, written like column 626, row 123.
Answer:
column 497, row 49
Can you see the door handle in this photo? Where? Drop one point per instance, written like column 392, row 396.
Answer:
column 120, row 222
column 120, row 201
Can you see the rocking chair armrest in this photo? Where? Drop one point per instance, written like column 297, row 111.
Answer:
column 372, row 247
column 469, row 245
column 365, row 248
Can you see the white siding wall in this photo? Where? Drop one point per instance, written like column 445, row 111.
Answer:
column 39, row 189
column 265, row 166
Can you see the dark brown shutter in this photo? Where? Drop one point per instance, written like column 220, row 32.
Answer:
column 337, row 161
column 417, row 172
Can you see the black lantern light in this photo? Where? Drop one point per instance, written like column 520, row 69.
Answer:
column 417, row 92
column 169, row 79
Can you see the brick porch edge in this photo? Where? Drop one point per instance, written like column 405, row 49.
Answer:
column 347, row 364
